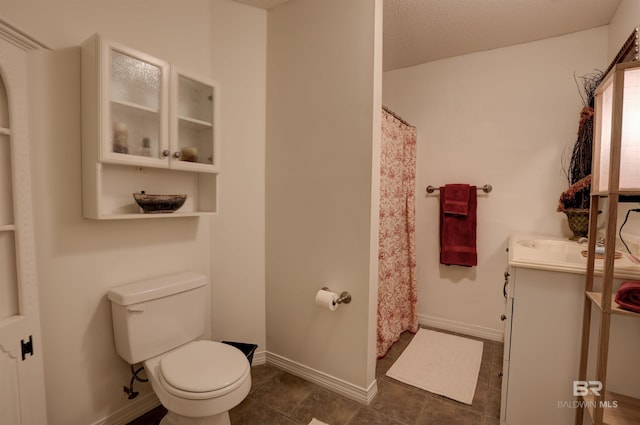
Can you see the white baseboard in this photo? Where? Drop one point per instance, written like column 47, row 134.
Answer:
column 259, row 358
column 460, row 327
column 150, row 401
column 337, row 385
column 131, row 411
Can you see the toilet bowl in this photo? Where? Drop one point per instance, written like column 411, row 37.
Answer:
column 200, row 381
column 158, row 322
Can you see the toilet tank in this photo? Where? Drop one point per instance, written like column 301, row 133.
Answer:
column 153, row 316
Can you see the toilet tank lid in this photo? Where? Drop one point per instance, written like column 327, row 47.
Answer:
column 157, row 287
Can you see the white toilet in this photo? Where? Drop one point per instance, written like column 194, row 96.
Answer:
column 157, row 322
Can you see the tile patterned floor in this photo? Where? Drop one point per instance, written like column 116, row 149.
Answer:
column 279, row 398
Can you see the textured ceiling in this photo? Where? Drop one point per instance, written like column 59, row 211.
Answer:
column 420, row 31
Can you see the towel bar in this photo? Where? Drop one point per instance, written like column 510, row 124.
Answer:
column 486, row 188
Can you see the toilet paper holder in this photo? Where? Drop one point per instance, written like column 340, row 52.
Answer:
column 344, row 298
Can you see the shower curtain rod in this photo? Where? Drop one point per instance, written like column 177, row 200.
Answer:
column 396, row 116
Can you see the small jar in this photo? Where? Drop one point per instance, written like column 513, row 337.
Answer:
column 189, row 154
column 120, row 137
column 146, row 147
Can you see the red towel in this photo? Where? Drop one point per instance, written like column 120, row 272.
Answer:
column 458, row 232
column 456, row 199
column 628, row 296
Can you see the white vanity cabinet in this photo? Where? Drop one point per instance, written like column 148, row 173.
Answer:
column 146, row 126
column 542, row 342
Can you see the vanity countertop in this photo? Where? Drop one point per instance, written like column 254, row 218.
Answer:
column 562, row 255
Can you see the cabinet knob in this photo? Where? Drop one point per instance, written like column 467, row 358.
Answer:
column 503, row 317
column 166, row 152
column 500, row 375
column 177, row 154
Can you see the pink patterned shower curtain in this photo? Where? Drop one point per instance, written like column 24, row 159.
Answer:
column 397, row 293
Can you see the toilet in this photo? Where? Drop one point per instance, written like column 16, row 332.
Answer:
column 157, row 322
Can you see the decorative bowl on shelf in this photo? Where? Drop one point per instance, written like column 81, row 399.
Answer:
column 156, row 204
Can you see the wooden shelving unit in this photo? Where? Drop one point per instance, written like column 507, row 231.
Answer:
column 625, row 412
column 612, row 178
column 596, row 298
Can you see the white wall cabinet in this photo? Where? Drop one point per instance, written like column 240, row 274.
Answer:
column 147, row 126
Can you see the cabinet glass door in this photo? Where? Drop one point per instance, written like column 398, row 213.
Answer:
column 6, row 187
column 137, row 109
column 8, row 276
column 8, row 271
column 194, row 135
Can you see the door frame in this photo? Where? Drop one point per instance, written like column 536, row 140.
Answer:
column 21, row 332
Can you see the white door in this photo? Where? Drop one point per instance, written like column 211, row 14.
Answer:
column 22, row 400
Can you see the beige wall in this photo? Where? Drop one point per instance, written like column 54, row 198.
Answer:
column 502, row 117
column 622, row 24
column 320, row 128
column 163, row 28
column 79, row 260
column 238, row 57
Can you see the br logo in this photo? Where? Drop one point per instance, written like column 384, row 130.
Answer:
column 582, row 388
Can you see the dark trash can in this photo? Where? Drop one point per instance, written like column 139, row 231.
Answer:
column 247, row 349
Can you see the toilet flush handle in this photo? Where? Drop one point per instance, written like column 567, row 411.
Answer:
column 135, row 309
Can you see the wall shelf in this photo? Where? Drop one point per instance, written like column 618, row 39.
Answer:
column 134, row 216
column 111, row 187
column 596, row 298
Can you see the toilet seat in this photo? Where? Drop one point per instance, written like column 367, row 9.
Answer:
column 203, row 369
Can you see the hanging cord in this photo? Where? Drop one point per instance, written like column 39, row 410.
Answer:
column 636, row 260
column 134, row 377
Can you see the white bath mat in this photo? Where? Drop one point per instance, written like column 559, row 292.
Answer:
column 444, row 364
column 314, row 421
